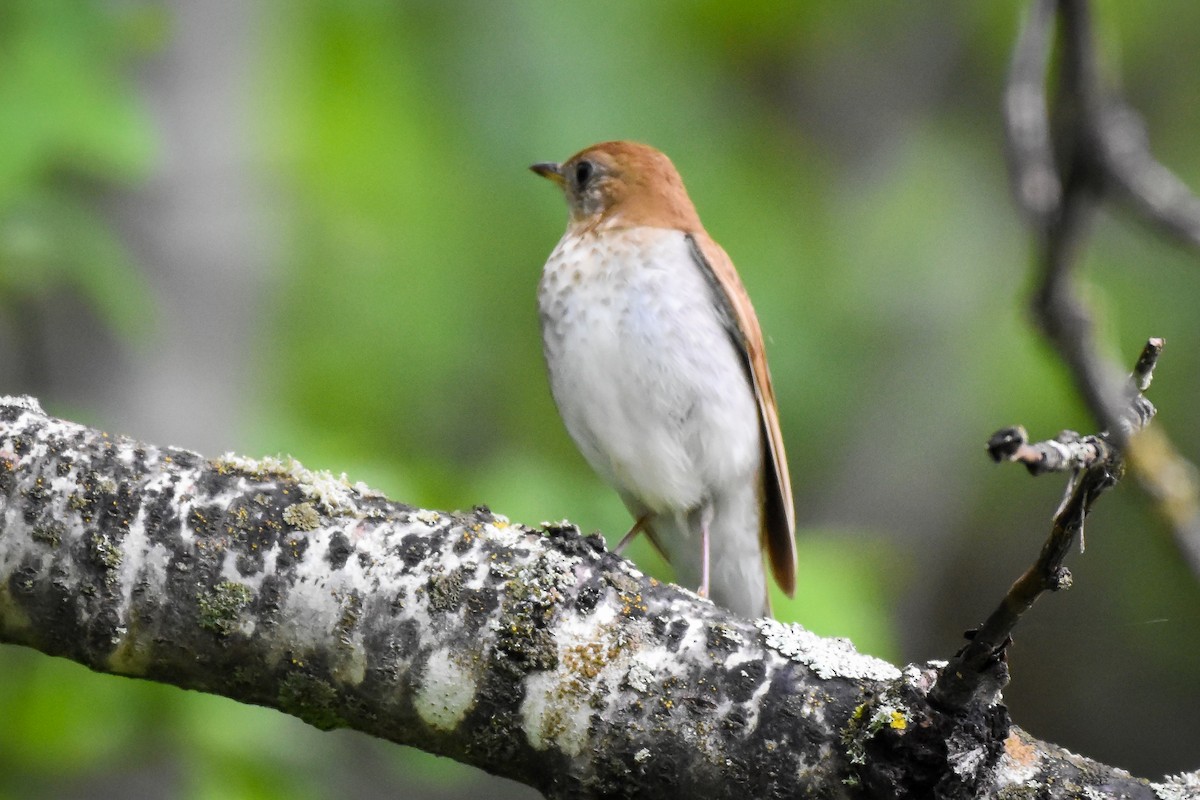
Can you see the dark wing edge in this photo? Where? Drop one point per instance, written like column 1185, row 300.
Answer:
column 778, row 531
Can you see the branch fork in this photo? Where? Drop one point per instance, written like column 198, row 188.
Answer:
column 977, row 672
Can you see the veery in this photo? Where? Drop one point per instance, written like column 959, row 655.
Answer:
column 657, row 366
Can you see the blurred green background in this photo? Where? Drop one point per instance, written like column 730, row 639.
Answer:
column 308, row 227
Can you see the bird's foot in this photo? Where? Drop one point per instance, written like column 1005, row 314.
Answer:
column 638, row 524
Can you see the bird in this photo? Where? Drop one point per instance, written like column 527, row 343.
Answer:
column 657, row 366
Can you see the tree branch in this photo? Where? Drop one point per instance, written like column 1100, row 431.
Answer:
column 1101, row 148
column 978, row 672
column 532, row 654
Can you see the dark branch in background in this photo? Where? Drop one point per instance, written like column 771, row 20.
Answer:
column 978, row 671
column 1094, row 148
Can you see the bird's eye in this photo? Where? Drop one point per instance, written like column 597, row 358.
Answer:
column 583, row 172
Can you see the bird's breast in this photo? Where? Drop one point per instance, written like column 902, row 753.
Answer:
column 645, row 375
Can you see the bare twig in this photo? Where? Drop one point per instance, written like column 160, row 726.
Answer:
column 1067, row 451
column 978, row 671
column 1059, row 174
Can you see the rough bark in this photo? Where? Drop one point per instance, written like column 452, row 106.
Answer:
column 533, row 653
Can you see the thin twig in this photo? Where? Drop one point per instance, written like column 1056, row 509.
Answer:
column 978, row 671
column 1066, row 452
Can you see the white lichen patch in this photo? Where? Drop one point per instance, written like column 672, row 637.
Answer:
column 555, row 713
column 267, row 465
column 334, row 493
column 1185, row 786
column 146, row 563
column 446, row 693
column 593, row 659
column 756, row 699
column 639, row 677
column 922, row 677
column 560, row 568
column 965, row 760
column 505, row 534
column 22, row 401
column 731, row 634
column 633, row 572
column 366, row 491
column 828, row 658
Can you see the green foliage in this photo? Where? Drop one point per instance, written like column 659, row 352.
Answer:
column 70, row 120
column 51, row 716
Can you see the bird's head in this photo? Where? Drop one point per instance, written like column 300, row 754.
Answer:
column 621, row 185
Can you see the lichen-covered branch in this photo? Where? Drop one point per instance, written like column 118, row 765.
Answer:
column 1060, row 173
column 534, row 654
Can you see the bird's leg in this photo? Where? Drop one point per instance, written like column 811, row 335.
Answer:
column 638, row 524
column 705, row 518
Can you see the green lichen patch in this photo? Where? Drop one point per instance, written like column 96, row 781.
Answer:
column 531, row 595
column 220, row 607
column 524, row 640
column 445, row 591
column 311, row 699
column 302, row 516
column 50, row 532
column 78, row 502
column 104, row 553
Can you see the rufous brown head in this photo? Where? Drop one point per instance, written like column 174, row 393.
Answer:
column 622, row 184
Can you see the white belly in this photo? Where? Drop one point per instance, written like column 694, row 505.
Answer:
column 645, row 376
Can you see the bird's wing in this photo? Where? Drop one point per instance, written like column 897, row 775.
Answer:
column 778, row 517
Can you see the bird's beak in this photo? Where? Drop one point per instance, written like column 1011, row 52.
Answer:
column 551, row 171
